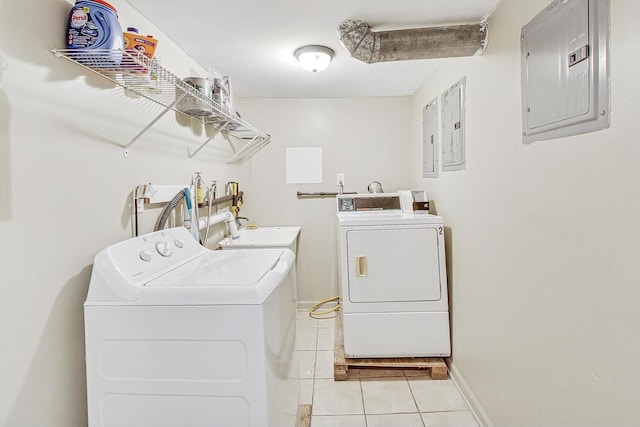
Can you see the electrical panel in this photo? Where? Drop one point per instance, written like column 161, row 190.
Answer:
column 564, row 64
column 430, row 135
column 453, row 127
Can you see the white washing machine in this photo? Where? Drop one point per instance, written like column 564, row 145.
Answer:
column 179, row 335
column 393, row 284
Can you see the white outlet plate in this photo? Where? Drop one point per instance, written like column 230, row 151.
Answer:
column 340, row 178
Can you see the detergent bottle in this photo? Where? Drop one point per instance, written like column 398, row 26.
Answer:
column 93, row 24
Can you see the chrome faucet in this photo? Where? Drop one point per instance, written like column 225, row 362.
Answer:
column 238, row 218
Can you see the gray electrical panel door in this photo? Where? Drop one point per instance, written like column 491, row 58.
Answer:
column 564, row 55
column 430, row 137
column 453, row 127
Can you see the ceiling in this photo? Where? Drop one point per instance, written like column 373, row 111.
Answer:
column 253, row 41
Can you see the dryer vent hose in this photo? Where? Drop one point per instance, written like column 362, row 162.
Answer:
column 164, row 215
column 416, row 43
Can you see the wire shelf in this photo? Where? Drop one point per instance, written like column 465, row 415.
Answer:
column 147, row 78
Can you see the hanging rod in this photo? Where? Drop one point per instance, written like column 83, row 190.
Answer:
column 322, row 194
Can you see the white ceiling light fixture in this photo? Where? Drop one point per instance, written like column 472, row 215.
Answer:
column 314, row 58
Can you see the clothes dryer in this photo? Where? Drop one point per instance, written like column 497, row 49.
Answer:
column 392, row 275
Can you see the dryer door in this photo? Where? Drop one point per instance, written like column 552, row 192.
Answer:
column 393, row 264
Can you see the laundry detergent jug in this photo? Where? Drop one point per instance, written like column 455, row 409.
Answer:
column 93, row 24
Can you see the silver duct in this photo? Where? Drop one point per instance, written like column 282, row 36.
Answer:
column 419, row 43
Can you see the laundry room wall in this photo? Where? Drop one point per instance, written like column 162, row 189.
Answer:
column 542, row 241
column 65, row 189
column 367, row 139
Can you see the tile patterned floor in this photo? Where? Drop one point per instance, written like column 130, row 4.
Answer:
column 375, row 398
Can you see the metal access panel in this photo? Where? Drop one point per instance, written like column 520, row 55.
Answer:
column 453, row 127
column 565, row 72
column 430, row 140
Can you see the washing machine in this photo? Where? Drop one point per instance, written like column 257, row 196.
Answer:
column 392, row 279
column 180, row 335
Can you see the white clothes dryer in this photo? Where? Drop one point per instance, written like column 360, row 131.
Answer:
column 392, row 275
column 179, row 335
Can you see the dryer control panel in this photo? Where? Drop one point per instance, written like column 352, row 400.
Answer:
column 368, row 202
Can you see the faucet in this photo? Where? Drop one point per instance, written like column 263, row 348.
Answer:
column 238, row 218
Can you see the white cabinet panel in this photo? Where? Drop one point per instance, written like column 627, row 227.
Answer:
column 382, row 270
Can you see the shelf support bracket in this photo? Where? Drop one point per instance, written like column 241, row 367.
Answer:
column 226, row 137
column 215, row 132
column 247, row 148
column 152, row 123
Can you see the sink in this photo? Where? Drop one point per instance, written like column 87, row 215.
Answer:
column 264, row 237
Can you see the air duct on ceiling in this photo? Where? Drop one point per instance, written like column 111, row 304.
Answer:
column 419, row 43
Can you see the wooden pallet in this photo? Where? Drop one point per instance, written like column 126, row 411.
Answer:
column 341, row 364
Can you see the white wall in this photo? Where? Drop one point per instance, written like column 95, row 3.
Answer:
column 65, row 194
column 366, row 139
column 543, row 241
column 65, row 189
column 542, row 238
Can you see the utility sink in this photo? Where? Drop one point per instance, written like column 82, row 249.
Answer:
column 264, row 237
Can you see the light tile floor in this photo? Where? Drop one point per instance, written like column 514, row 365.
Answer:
column 376, row 398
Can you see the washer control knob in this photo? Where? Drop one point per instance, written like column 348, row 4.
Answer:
column 163, row 248
column 179, row 243
column 145, row 256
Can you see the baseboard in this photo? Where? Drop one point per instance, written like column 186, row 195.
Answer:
column 477, row 410
column 304, row 305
